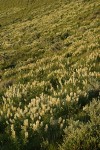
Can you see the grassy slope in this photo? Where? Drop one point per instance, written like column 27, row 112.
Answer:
column 49, row 41
column 26, row 31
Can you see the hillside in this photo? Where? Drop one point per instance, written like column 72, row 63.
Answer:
column 49, row 74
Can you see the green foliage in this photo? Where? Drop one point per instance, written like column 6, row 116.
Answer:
column 84, row 136
column 49, row 74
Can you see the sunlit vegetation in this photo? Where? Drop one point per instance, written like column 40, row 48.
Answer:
column 49, row 75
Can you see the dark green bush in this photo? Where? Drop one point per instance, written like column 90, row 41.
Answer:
column 81, row 136
column 65, row 35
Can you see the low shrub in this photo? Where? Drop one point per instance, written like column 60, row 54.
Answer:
column 81, row 136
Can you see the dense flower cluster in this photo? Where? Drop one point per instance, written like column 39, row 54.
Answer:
column 49, row 71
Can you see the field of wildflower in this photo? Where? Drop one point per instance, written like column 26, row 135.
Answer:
column 50, row 75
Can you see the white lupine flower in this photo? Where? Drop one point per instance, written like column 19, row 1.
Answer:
column 18, row 115
column 25, row 110
column 12, row 127
column 63, row 121
column 13, row 134
column 26, row 135
column 46, row 127
column 34, row 127
column 30, row 105
column 59, row 120
column 42, row 112
column 71, row 94
column 51, row 111
column 75, row 94
column 48, row 108
column 41, row 124
column 7, row 122
column 1, row 113
column 37, row 123
column 53, row 101
column 77, row 99
column 68, row 98
column 8, row 113
column 26, row 122
column 23, row 128
column 61, row 125
column 84, row 108
column 43, row 106
column 36, row 115
column 32, row 117
column 39, row 117
column 51, row 119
